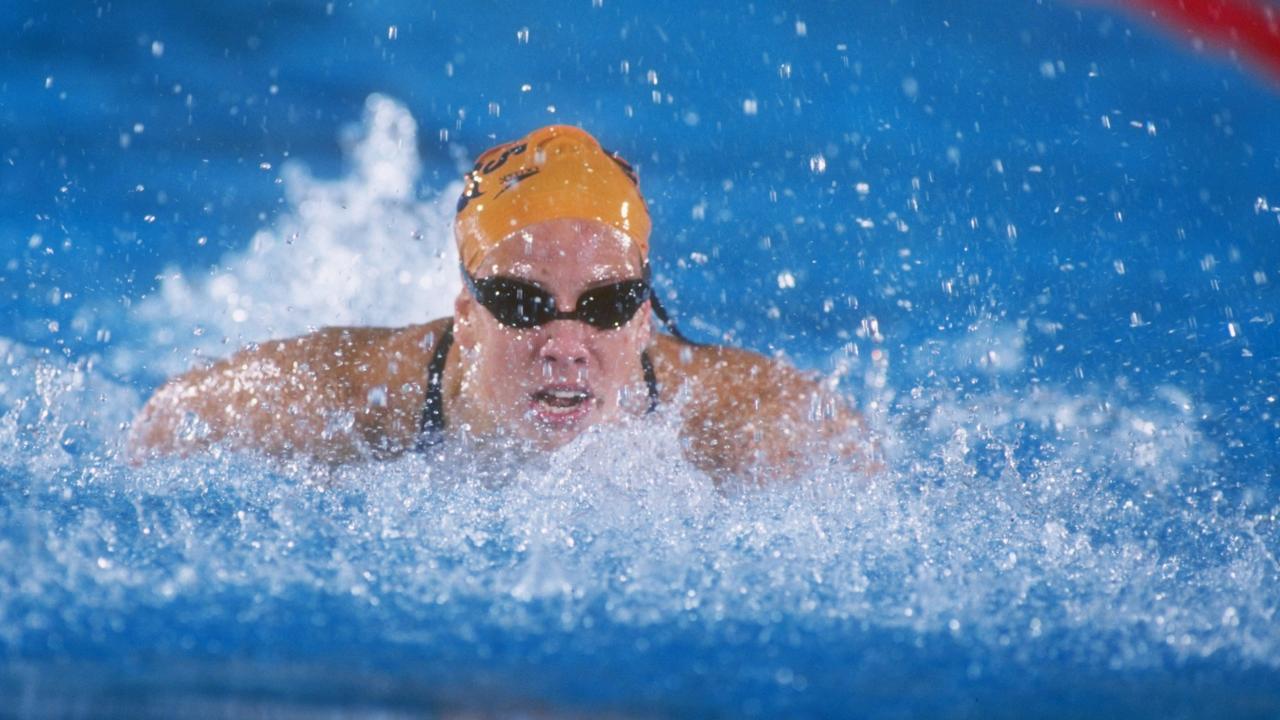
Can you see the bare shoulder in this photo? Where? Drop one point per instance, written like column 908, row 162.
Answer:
column 329, row 395
column 748, row 415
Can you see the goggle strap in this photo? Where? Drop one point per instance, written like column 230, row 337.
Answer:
column 666, row 320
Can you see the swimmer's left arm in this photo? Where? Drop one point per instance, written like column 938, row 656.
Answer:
column 748, row 416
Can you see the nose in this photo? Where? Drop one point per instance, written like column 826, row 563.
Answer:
column 565, row 343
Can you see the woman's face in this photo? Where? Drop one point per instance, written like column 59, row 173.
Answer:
column 547, row 384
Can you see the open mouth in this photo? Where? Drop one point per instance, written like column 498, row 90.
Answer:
column 560, row 405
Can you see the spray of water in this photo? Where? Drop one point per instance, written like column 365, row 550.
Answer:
column 359, row 250
column 1030, row 527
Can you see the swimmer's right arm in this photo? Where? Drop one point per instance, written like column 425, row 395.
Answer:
column 335, row 395
column 748, row 417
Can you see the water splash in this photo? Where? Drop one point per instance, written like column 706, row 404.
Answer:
column 1015, row 533
column 55, row 414
column 359, row 250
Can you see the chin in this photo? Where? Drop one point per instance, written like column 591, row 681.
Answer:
column 551, row 428
column 550, row 443
column 545, row 439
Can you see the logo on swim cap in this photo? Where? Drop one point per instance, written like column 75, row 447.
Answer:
column 555, row 172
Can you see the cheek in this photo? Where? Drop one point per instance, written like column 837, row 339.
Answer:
column 503, row 351
column 623, row 350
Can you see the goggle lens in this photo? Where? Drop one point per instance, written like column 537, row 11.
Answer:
column 519, row 304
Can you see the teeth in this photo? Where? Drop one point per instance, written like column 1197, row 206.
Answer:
column 562, row 400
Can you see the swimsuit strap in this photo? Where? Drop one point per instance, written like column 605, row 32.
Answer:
column 431, row 426
column 650, row 379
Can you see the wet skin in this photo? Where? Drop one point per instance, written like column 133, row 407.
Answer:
column 354, row 394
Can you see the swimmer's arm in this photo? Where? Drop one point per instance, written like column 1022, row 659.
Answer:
column 336, row 395
column 751, row 417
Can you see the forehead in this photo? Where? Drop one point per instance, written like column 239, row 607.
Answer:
column 565, row 246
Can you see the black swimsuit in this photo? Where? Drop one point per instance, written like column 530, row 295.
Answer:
column 431, row 426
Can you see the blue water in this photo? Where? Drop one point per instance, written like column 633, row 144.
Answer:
column 1037, row 243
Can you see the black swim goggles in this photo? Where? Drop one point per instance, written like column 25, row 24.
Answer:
column 521, row 304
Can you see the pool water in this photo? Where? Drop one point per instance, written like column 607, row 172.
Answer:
column 1035, row 244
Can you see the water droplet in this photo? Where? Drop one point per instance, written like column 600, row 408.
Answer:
column 910, row 87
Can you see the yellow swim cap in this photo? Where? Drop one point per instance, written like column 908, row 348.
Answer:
column 554, row 172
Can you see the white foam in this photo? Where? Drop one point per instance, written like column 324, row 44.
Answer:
column 53, row 411
column 1050, row 523
column 363, row 249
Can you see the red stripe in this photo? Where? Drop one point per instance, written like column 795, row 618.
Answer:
column 1251, row 27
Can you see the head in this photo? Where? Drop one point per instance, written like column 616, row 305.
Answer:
column 556, row 212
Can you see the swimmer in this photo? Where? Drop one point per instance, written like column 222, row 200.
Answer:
column 552, row 334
